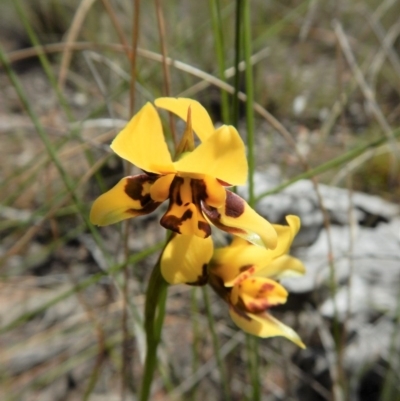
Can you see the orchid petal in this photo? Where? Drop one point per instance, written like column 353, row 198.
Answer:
column 222, row 155
column 264, row 325
column 282, row 267
column 258, row 293
column 215, row 192
column 142, row 142
column 160, row 189
column 286, row 235
column 239, row 258
column 129, row 198
column 238, row 218
column 201, row 121
column 185, row 259
column 183, row 215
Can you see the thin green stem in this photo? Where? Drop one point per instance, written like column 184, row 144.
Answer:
column 238, row 34
column 217, row 348
column 249, row 98
column 196, row 336
column 335, row 162
column 252, row 342
column 217, row 25
column 154, row 317
column 253, row 360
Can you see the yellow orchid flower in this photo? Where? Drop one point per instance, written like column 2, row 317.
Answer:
column 194, row 184
column 244, row 275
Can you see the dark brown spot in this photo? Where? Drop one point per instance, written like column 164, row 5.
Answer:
column 210, row 211
column 234, row 205
column 244, row 268
column 175, row 190
column 173, row 223
column 135, row 185
column 214, row 216
column 148, row 208
column 187, row 215
column 202, row 279
column 204, row 226
column 240, row 311
column 199, row 191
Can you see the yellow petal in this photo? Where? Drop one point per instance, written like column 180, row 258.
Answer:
column 281, row 267
column 264, row 325
column 159, row 191
column 286, row 235
column 238, row 218
column 240, row 257
column 222, row 156
column 185, row 259
column 258, row 293
column 215, row 192
column 142, row 143
column 129, row 198
column 183, row 216
column 201, row 121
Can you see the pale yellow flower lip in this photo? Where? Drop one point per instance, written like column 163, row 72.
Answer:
column 185, row 259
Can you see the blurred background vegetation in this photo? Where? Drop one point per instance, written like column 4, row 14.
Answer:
column 328, row 71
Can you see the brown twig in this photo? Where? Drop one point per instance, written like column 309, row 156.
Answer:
column 72, row 35
column 117, row 26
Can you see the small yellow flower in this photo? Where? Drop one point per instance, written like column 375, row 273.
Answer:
column 194, row 184
column 244, row 275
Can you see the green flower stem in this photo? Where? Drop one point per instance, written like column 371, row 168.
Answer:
column 154, row 317
column 197, row 335
column 249, row 98
column 251, row 342
column 238, row 30
column 337, row 161
column 217, row 25
column 217, row 348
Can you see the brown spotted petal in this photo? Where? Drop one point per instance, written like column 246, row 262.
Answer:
column 238, row 218
column 129, row 198
column 258, row 293
column 184, row 214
